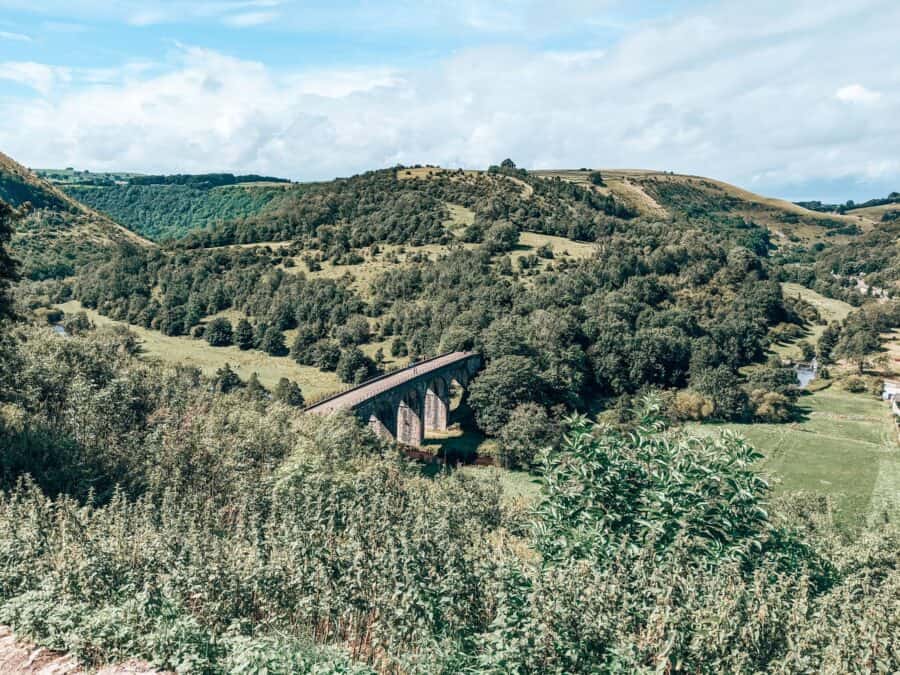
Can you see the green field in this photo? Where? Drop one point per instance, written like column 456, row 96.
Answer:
column 845, row 446
column 829, row 308
column 313, row 382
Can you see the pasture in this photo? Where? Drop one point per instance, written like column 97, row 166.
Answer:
column 187, row 351
column 845, row 446
column 829, row 309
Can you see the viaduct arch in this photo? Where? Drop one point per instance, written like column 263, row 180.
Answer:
column 403, row 405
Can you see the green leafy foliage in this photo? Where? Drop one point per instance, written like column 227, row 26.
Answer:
column 167, row 521
column 651, row 489
column 218, row 332
column 161, row 211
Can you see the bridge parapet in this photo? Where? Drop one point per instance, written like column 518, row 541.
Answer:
column 405, row 403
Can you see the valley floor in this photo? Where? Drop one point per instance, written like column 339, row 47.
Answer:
column 844, row 446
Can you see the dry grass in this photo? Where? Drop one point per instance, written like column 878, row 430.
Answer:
column 460, row 217
column 529, row 242
column 829, row 309
column 258, row 244
column 619, row 183
column 527, row 190
column 362, row 276
column 874, row 213
column 184, row 350
column 423, row 172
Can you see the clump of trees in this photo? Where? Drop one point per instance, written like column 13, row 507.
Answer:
column 218, row 332
column 354, row 366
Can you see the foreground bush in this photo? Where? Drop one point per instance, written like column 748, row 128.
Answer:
column 244, row 536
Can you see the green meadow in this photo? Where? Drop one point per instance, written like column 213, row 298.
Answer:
column 844, row 445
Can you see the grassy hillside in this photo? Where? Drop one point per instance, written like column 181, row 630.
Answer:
column 59, row 234
column 657, row 194
column 880, row 213
column 184, row 350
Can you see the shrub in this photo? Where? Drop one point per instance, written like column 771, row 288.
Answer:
column 288, row 392
column 218, row 332
column 501, row 237
column 243, row 335
column 855, row 384
column 770, row 406
column 325, row 354
column 354, row 366
column 691, row 405
column 226, row 379
column 723, row 387
column 786, row 332
column 78, row 324
column 273, row 342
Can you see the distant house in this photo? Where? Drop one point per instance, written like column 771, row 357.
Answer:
column 891, row 390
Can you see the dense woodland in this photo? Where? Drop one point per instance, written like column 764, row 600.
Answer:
column 159, row 210
column 209, row 526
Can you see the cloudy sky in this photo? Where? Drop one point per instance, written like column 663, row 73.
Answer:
column 793, row 98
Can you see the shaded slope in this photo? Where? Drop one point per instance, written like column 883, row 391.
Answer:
column 160, row 211
column 59, row 234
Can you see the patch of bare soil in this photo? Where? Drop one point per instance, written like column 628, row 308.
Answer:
column 20, row 658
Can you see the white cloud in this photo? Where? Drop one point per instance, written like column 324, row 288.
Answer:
column 247, row 19
column 15, row 37
column 37, row 76
column 856, row 93
column 740, row 93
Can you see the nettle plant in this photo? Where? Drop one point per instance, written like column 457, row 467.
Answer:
column 652, row 487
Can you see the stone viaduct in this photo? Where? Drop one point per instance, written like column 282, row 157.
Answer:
column 403, row 405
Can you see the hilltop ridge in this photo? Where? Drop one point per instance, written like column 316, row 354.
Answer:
column 665, row 194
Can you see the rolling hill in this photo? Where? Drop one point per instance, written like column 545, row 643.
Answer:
column 660, row 194
column 172, row 208
column 59, row 234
